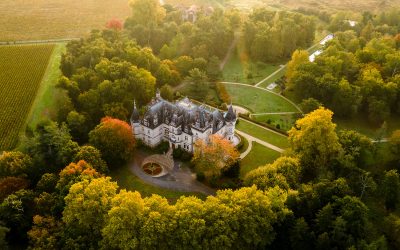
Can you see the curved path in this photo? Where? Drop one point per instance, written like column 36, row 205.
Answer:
column 252, row 139
column 179, row 179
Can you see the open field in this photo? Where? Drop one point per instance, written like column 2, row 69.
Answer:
column 127, row 180
column 258, row 101
column 237, row 71
column 50, row 19
column 21, row 72
column 258, row 156
column 263, row 134
column 44, row 106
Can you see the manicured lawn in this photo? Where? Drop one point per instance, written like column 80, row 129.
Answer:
column 257, row 100
column 237, row 70
column 263, row 134
column 127, row 180
column 285, row 121
column 258, row 156
column 45, row 102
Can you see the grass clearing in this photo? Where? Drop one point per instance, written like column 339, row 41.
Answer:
column 52, row 19
column 237, row 70
column 21, row 72
column 258, row 101
column 285, row 121
column 360, row 124
column 263, row 134
column 127, row 180
column 44, row 105
column 258, row 156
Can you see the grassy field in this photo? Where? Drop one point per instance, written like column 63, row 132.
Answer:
column 361, row 125
column 258, row 156
column 236, row 70
column 50, row 19
column 45, row 102
column 263, row 134
column 285, row 121
column 21, row 72
column 258, row 101
column 127, row 180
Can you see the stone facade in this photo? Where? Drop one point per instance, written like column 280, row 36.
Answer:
column 181, row 123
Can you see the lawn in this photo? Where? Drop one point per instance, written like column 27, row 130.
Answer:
column 21, row 72
column 263, row 134
column 257, row 100
column 285, row 121
column 45, row 102
column 50, row 19
column 237, row 70
column 258, row 156
column 127, row 180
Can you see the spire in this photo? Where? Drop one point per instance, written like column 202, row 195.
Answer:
column 230, row 115
column 135, row 113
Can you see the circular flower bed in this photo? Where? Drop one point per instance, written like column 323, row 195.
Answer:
column 152, row 168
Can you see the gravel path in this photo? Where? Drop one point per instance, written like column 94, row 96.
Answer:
column 180, row 179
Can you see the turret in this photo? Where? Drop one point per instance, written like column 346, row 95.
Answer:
column 158, row 94
column 230, row 116
column 135, row 114
column 230, row 119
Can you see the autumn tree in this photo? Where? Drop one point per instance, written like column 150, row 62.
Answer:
column 114, row 139
column 15, row 164
column 284, row 172
column 85, row 212
column 9, row 185
column 298, row 57
column 167, row 92
column 92, row 156
column 207, row 155
column 315, row 141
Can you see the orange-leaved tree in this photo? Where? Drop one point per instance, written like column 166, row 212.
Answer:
column 213, row 157
column 114, row 139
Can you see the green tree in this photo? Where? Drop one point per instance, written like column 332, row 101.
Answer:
column 390, row 188
column 92, row 156
column 309, row 104
column 167, row 92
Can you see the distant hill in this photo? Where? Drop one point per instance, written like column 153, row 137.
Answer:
column 51, row 19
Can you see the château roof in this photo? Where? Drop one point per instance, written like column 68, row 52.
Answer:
column 182, row 114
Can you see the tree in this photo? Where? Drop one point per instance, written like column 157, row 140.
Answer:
column 85, row 212
column 77, row 123
column 9, row 185
column 315, row 141
column 207, row 156
column 45, row 233
column 92, row 156
column 124, row 222
column 309, row 104
column 298, row 57
column 51, row 148
column 198, row 80
column 15, row 164
column 114, row 139
column 167, row 92
column 394, row 141
column 390, row 188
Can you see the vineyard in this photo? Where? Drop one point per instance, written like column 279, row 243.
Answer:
column 21, row 72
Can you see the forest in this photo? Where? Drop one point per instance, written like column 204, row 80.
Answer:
column 331, row 188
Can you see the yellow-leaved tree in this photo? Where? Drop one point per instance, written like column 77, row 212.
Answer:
column 315, row 141
column 214, row 156
column 298, row 57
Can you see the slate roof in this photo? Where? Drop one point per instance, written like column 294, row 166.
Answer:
column 184, row 115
